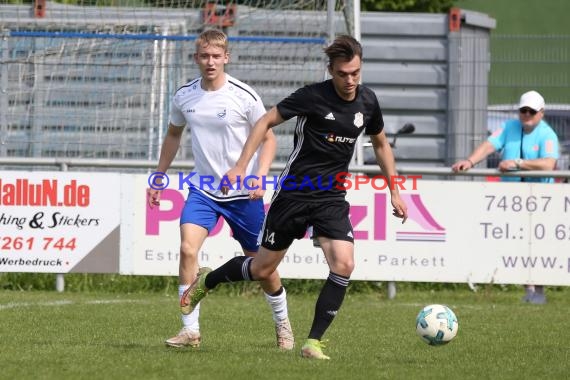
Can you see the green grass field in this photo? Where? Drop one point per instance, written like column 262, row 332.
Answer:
column 48, row 335
column 523, row 16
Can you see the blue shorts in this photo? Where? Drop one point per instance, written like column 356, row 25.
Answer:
column 244, row 216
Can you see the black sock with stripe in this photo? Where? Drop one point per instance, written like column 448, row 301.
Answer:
column 328, row 304
column 236, row 269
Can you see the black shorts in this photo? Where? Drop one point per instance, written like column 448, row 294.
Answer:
column 288, row 220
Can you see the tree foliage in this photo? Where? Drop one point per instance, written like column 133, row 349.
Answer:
column 428, row 6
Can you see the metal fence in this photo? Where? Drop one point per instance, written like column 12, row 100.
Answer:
column 520, row 63
column 105, row 95
column 74, row 92
column 95, row 82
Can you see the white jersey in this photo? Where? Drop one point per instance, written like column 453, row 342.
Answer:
column 220, row 122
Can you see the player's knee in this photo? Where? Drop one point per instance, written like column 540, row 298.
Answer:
column 262, row 273
column 345, row 267
column 274, row 278
column 187, row 250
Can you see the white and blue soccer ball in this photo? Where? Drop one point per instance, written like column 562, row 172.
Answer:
column 436, row 325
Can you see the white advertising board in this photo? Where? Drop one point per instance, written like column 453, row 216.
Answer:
column 457, row 231
column 59, row 222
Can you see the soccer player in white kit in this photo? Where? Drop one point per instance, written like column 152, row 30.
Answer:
column 220, row 112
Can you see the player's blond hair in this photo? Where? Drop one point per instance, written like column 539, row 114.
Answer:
column 212, row 37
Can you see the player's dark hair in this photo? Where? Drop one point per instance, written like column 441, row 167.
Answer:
column 345, row 48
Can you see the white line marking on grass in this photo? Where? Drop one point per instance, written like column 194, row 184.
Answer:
column 458, row 306
column 101, row 302
column 14, row 305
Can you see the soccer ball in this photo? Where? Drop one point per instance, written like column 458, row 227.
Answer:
column 436, row 325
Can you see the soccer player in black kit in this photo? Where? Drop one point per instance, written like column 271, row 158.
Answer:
column 330, row 117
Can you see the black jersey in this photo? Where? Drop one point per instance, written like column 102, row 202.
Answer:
column 325, row 136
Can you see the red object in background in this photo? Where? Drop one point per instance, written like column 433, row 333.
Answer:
column 454, row 19
column 221, row 16
column 39, row 8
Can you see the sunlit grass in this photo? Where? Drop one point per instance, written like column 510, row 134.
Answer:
column 113, row 336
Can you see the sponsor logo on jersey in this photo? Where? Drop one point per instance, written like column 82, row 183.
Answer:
column 222, row 114
column 332, row 138
column 358, row 119
column 330, row 116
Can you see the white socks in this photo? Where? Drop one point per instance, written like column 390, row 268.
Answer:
column 189, row 321
column 278, row 305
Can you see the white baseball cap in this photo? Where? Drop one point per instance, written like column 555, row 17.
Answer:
column 532, row 99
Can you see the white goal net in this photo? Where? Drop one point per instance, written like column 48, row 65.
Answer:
column 91, row 81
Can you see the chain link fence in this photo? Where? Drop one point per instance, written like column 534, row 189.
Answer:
column 520, row 63
column 104, row 94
